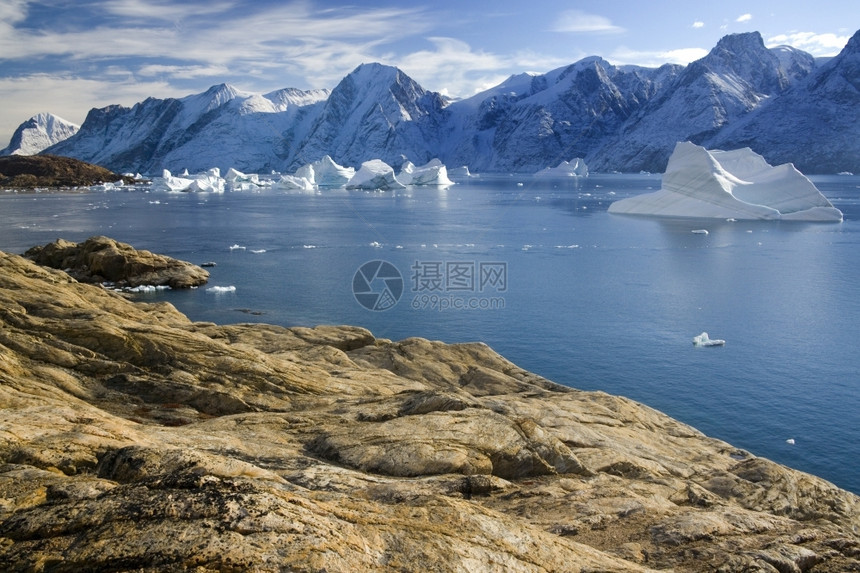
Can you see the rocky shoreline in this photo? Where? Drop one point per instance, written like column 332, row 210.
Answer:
column 132, row 439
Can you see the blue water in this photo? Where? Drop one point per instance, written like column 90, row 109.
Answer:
column 585, row 298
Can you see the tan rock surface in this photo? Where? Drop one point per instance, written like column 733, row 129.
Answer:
column 134, row 439
column 101, row 259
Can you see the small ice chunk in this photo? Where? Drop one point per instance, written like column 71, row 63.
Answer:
column 704, row 340
column 790, row 441
column 699, row 231
column 574, row 168
column 221, row 289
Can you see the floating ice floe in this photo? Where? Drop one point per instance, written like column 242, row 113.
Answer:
column 375, row 174
column 321, row 174
column 238, row 181
column 573, row 168
column 210, row 181
column 295, row 182
column 704, row 340
column 432, row 173
column 221, row 289
column 736, row 184
column 790, row 441
column 462, row 171
column 144, row 288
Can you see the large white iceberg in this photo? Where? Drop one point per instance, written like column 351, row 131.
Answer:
column 736, row 184
column 574, row 168
column 432, row 173
column 326, row 173
column 375, row 174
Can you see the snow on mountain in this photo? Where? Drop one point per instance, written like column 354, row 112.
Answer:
column 616, row 118
column 730, row 82
column 221, row 127
column 534, row 121
column 815, row 125
column 38, row 133
column 374, row 112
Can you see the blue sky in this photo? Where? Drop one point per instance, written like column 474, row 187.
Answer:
column 67, row 56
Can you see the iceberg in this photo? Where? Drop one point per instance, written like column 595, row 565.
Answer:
column 375, row 174
column 432, row 173
column 573, row 168
column 209, row 181
column 737, row 184
column 326, row 173
column 296, row 182
column 238, row 181
column 705, row 340
column 462, row 171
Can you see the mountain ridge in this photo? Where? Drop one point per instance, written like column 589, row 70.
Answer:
column 618, row 118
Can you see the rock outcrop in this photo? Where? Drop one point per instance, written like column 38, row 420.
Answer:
column 27, row 172
column 101, row 259
column 134, row 439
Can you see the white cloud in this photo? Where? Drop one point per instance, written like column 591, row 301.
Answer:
column 453, row 68
column 654, row 59
column 182, row 72
column 579, row 21
column 819, row 45
column 698, row 24
column 164, row 10
column 744, row 18
column 13, row 11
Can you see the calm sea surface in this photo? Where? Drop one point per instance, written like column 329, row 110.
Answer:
column 543, row 274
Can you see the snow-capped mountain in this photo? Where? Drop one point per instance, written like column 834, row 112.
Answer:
column 375, row 108
column 815, row 125
column 732, row 81
column 531, row 122
column 39, row 132
column 777, row 101
column 221, row 127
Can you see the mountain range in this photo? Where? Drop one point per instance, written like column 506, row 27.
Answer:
column 780, row 102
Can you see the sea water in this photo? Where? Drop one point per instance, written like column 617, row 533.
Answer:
column 542, row 273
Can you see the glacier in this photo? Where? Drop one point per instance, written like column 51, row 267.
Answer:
column 737, row 184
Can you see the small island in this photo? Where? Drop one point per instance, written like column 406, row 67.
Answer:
column 32, row 171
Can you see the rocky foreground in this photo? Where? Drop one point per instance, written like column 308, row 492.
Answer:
column 134, row 439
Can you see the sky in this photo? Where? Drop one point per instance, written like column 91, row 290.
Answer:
column 68, row 56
